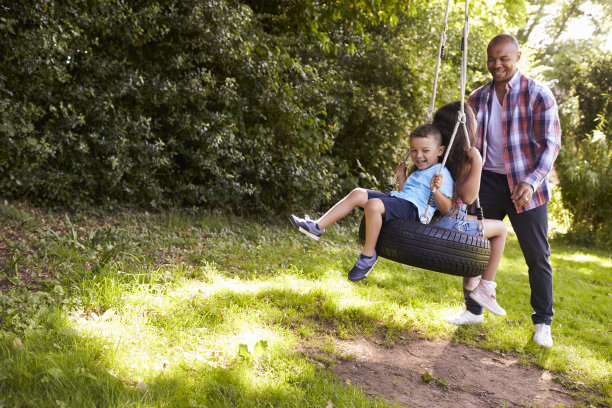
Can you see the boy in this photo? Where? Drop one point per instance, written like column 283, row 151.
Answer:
column 409, row 202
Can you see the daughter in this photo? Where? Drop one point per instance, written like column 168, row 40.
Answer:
column 466, row 166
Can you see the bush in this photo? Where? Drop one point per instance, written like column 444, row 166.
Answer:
column 586, row 185
column 584, row 165
column 207, row 103
column 181, row 104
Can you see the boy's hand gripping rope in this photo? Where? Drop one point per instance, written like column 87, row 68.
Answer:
column 460, row 120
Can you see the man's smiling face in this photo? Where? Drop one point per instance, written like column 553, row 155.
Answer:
column 502, row 59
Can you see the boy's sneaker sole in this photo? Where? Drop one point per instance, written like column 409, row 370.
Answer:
column 302, row 230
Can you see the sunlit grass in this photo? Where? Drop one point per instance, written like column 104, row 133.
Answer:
column 210, row 311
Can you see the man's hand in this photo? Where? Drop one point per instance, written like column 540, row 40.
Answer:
column 522, row 194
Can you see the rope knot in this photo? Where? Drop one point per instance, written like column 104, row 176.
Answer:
column 461, row 117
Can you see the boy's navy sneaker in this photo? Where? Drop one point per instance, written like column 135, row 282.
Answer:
column 362, row 267
column 307, row 226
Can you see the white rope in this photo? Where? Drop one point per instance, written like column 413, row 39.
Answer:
column 432, row 101
column 461, row 119
column 429, row 116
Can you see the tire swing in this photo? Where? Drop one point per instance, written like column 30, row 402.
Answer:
column 427, row 246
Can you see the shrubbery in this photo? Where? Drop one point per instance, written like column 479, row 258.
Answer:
column 196, row 103
column 584, row 165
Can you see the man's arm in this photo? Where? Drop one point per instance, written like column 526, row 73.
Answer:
column 547, row 133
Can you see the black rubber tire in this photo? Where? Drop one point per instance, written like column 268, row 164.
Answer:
column 431, row 247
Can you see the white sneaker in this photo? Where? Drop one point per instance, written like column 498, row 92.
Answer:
column 465, row 317
column 542, row 335
column 485, row 296
column 472, row 283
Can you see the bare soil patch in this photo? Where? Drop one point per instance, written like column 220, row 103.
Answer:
column 475, row 377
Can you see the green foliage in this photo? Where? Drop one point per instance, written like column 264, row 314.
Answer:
column 585, row 172
column 257, row 107
column 584, row 163
column 149, row 104
column 578, row 70
column 187, row 102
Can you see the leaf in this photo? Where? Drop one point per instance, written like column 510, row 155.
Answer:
column 426, row 377
column 329, row 404
column 8, row 128
column 108, row 315
column 243, row 350
column 142, row 386
column 17, row 343
column 260, row 347
column 55, row 372
column 442, row 382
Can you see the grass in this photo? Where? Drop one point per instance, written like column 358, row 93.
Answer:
column 212, row 310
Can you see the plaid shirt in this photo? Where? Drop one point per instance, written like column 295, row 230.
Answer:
column 531, row 133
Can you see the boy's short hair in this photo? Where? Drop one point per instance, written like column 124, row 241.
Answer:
column 427, row 130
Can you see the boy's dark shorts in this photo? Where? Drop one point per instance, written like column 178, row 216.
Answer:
column 395, row 207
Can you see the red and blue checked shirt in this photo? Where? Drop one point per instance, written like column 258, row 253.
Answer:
column 531, row 133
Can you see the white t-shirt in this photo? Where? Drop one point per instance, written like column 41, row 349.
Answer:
column 494, row 158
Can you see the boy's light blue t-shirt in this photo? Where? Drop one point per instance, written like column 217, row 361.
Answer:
column 416, row 188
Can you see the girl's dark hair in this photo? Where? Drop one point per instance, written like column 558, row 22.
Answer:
column 445, row 120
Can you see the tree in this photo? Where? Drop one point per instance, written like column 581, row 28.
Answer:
column 579, row 71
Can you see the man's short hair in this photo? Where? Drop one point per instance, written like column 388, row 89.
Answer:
column 502, row 38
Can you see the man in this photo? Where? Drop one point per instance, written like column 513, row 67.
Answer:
column 519, row 136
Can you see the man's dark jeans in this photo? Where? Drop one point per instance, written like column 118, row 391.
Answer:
column 531, row 228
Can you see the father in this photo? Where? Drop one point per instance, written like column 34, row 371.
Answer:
column 519, row 136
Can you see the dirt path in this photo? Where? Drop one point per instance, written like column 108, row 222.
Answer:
column 475, row 377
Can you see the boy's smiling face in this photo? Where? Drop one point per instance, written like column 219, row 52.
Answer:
column 425, row 151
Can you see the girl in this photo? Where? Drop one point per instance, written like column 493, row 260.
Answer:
column 465, row 167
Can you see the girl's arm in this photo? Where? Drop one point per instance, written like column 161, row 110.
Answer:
column 471, row 184
column 443, row 202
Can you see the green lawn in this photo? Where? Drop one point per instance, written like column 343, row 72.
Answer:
column 206, row 310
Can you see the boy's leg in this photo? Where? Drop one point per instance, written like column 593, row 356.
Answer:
column 306, row 226
column 374, row 211
column 356, row 198
column 315, row 228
